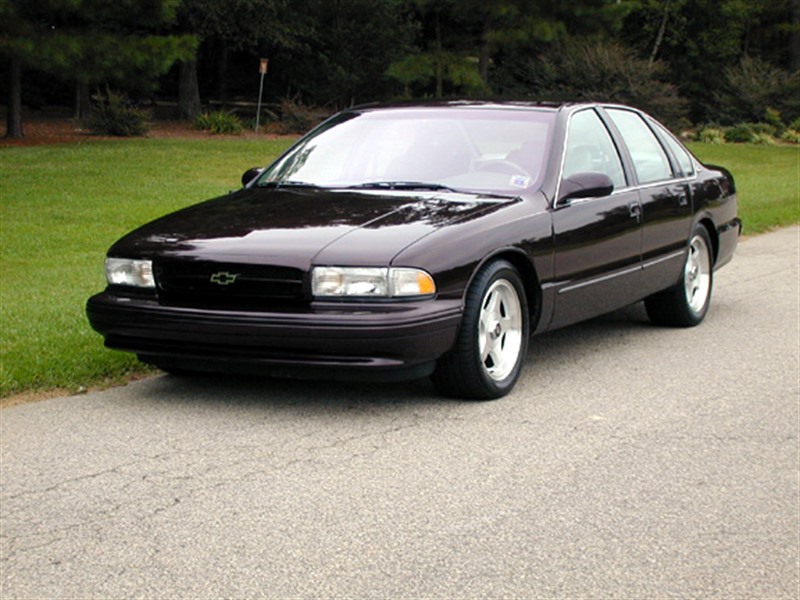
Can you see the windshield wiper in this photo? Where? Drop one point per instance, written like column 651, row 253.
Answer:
column 400, row 185
column 287, row 183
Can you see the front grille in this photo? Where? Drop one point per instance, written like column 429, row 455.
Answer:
column 206, row 284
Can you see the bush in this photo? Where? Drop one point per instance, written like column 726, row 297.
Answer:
column 791, row 135
column 711, row 135
column 773, row 118
column 219, row 122
column 115, row 115
column 740, row 134
column 751, row 133
column 764, row 134
column 602, row 72
column 763, row 129
column 755, row 90
column 764, row 139
column 297, row 117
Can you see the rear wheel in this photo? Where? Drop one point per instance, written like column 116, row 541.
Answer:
column 486, row 359
column 686, row 303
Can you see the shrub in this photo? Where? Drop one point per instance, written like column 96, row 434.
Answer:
column 791, row 135
column 711, row 135
column 764, row 139
column 773, row 118
column 740, row 134
column 219, row 122
column 756, row 89
column 751, row 133
column 603, row 72
column 763, row 128
column 114, row 114
column 297, row 117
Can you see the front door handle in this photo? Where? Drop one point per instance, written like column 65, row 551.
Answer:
column 635, row 210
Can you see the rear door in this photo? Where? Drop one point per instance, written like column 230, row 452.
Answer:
column 665, row 194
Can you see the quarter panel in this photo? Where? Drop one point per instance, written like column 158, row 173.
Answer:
column 716, row 200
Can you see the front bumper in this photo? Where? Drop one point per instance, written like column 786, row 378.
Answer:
column 397, row 340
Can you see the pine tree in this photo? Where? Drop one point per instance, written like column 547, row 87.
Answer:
column 90, row 42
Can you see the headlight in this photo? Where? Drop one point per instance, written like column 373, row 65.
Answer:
column 134, row 273
column 370, row 282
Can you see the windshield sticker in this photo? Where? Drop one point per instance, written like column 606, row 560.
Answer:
column 520, row 181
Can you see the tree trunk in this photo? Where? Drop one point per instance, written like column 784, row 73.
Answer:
column 222, row 72
column 794, row 41
column 661, row 30
column 483, row 61
column 14, row 115
column 83, row 100
column 439, row 59
column 188, row 91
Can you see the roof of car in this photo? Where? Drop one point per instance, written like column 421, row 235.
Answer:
column 467, row 103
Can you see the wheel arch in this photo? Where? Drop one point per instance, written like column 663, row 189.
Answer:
column 530, row 279
column 712, row 233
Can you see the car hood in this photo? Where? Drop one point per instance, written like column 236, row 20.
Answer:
column 303, row 226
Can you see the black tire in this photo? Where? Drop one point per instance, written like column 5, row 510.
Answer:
column 686, row 303
column 489, row 351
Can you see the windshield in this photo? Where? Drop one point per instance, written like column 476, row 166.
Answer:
column 466, row 149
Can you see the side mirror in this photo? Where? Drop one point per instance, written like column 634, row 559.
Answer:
column 251, row 174
column 585, row 185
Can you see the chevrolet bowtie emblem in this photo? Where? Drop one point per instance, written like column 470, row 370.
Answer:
column 223, row 278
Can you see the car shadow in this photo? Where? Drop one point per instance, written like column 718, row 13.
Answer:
column 253, row 389
column 545, row 351
column 551, row 347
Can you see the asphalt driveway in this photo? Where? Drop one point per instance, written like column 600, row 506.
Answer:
column 630, row 461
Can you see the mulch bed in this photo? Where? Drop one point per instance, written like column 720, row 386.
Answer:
column 47, row 129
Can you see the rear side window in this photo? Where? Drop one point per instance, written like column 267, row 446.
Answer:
column 684, row 159
column 649, row 159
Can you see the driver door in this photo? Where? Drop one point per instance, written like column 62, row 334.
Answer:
column 598, row 241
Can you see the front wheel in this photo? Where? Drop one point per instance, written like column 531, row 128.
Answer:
column 487, row 357
column 686, row 303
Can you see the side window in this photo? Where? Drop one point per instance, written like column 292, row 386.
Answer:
column 684, row 159
column 590, row 148
column 649, row 159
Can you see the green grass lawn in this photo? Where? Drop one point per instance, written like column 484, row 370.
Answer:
column 767, row 181
column 62, row 206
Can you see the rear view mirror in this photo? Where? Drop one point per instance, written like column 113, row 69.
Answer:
column 251, row 174
column 585, row 185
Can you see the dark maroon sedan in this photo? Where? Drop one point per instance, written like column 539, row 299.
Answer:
column 430, row 239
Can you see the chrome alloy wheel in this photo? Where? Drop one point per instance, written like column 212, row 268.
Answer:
column 500, row 330
column 697, row 274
